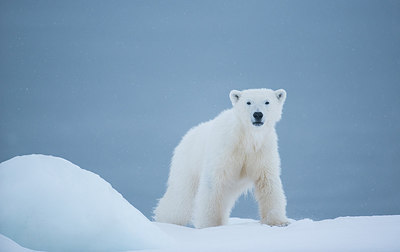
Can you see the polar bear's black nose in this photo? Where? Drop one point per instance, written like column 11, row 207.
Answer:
column 258, row 115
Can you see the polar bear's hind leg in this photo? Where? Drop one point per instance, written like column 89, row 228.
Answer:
column 176, row 206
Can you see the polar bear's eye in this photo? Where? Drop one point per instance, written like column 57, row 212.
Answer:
column 267, row 102
column 248, row 103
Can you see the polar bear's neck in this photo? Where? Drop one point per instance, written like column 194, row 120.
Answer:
column 247, row 139
column 253, row 140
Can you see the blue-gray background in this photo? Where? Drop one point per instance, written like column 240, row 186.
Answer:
column 113, row 85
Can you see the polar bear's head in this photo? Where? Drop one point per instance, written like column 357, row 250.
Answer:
column 258, row 107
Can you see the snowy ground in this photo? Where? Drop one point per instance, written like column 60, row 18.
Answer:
column 48, row 203
column 376, row 233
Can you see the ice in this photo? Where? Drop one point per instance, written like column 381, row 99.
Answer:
column 50, row 204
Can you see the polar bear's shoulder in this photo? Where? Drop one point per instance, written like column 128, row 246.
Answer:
column 223, row 121
column 221, row 124
column 225, row 117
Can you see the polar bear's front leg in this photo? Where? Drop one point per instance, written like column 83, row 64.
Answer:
column 271, row 199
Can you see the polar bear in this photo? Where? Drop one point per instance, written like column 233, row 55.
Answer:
column 218, row 160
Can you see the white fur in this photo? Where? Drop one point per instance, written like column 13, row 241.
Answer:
column 218, row 160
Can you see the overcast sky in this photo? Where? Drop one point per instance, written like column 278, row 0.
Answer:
column 112, row 86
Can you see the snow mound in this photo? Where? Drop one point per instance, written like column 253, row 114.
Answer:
column 6, row 244
column 50, row 204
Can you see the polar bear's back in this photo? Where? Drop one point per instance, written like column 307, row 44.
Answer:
column 189, row 154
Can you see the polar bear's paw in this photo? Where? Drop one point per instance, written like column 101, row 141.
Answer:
column 275, row 221
column 278, row 223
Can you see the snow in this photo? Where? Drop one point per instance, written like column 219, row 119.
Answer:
column 6, row 244
column 374, row 233
column 367, row 233
column 50, row 204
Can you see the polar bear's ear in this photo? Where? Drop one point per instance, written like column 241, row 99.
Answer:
column 280, row 95
column 235, row 96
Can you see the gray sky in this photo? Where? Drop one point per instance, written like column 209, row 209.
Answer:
column 113, row 86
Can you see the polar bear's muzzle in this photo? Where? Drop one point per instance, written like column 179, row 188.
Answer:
column 257, row 119
column 258, row 124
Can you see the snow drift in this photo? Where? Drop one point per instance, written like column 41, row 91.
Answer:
column 8, row 245
column 50, row 204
